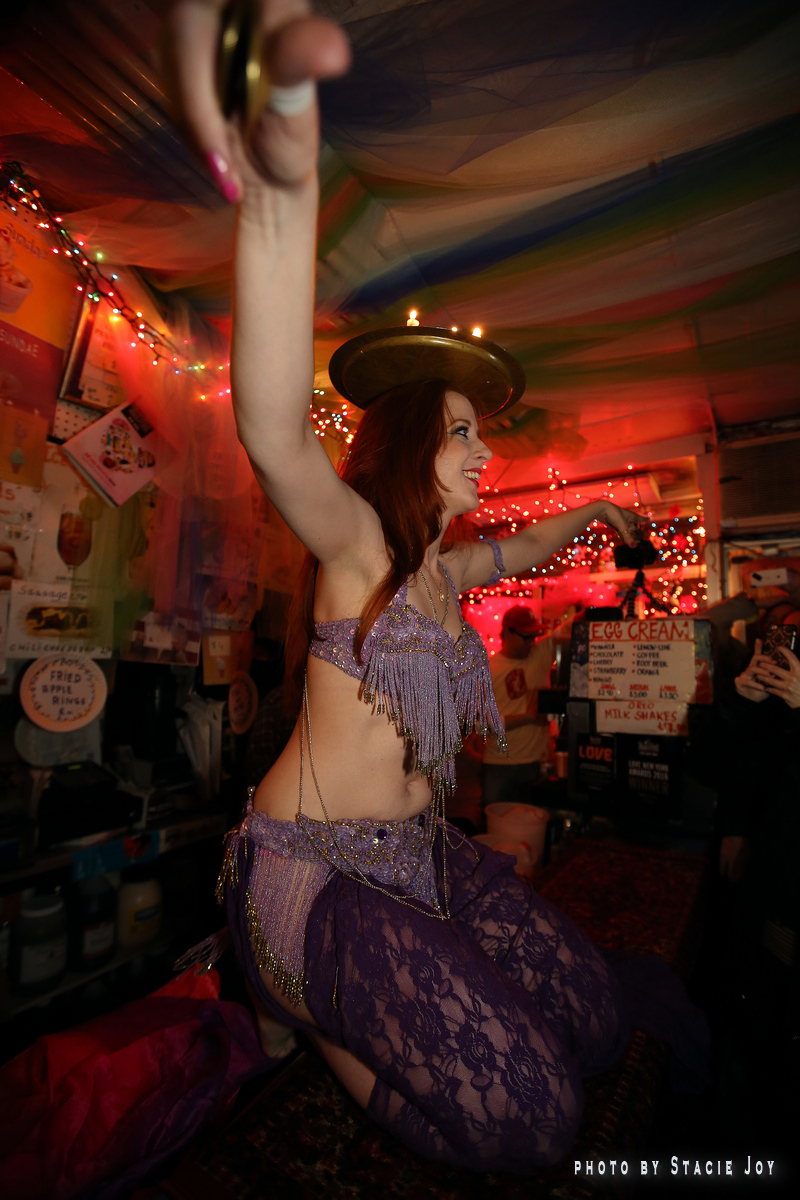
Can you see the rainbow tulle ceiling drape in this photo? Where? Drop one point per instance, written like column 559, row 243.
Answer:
column 610, row 189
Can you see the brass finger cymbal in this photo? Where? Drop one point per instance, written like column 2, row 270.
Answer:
column 243, row 84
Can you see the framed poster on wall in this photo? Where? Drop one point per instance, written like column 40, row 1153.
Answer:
column 90, row 376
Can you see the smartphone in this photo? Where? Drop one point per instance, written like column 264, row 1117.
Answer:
column 779, row 636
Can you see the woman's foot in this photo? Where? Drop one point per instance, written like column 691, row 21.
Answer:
column 277, row 1040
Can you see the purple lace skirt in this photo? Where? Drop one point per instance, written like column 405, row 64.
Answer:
column 478, row 1027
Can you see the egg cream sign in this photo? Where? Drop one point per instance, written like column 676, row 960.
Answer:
column 642, row 674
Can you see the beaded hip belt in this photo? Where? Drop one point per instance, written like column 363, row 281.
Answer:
column 293, row 860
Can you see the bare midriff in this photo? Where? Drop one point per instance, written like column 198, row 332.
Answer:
column 362, row 763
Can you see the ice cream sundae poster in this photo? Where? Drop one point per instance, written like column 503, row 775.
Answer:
column 37, row 294
column 119, row 453
column 30, row 373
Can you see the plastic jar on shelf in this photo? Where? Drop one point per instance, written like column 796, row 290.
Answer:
column 40, row 944
column 140, row 905
column 93, row 924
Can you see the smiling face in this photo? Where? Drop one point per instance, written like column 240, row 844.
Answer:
column 461, row 459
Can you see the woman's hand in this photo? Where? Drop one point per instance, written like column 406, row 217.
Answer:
column 779, row 682
column 748, row 683
column 627, row 524
column 282, row 150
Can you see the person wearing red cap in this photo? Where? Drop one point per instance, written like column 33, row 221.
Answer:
column 519, row 670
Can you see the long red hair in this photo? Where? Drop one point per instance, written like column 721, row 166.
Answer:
column 392, row 464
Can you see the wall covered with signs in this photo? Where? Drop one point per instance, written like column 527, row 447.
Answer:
column 130, row 519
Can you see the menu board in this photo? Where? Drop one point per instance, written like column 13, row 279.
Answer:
column 642, row 674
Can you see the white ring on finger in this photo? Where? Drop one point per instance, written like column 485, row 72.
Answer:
column 291, row 101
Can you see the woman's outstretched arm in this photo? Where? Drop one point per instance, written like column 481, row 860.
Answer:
column 539, row 540
column 273, row 176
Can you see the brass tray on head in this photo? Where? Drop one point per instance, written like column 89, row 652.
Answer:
column 372, row 363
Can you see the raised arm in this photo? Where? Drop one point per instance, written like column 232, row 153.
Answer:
column 274, row 178
column 537, row 542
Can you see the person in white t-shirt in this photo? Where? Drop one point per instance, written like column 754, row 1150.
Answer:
column 519, row 670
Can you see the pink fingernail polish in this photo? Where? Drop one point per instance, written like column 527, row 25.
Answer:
column 218, row 164
column 221, row 171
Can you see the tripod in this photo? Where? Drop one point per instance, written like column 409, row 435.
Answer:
column 639, row 585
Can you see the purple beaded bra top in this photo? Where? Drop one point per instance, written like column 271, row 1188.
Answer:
column 433, row 688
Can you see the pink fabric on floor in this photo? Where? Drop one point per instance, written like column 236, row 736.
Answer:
column 97, row 1108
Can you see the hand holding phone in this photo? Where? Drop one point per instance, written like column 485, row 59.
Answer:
column 780, row 637
column 769, row 677
column 749, row 683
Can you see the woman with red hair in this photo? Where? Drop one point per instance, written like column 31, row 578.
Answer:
column 458, row 1007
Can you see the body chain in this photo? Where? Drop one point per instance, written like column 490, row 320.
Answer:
column 355, row 872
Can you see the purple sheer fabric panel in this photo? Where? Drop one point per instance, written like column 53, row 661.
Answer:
column 422, row 63
column 479, row 1029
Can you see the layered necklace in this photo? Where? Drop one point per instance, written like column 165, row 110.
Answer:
column 444, row 597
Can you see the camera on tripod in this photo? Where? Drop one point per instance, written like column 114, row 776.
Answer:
column 635, row 558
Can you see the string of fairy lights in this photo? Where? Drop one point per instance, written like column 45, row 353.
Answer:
column 678, row 539
column 330, row 421
column 19, row 194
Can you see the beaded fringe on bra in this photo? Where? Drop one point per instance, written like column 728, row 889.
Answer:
column 430, row 696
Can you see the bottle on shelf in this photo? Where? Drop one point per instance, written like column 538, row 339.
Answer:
column 39, row 945
column 93, row 921
column 140, row 907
